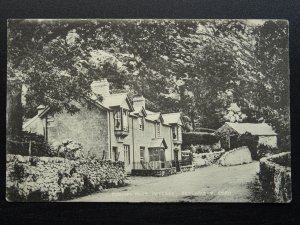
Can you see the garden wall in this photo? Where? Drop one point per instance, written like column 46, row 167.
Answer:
column 206, row 159
column 55, row 178
column 275, row 177
column 236, row 156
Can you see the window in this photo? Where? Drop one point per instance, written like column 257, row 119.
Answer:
column 156, row 154
column 142, row 153
column 126, row 154
column 158, row 130
column 179, row 135
column 121, row 120
column 175, row 132
column 125, row 120
column 118, row 120
column 50, row 121
column 141, row 123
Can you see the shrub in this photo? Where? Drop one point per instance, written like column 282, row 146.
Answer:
column 203, row 149
column 54, row 178
column 70, row 150
column 265, row 150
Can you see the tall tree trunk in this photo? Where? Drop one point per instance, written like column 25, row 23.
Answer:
column 14, row 112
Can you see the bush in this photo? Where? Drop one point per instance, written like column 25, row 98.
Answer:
column 265, row 150
column 54, row 178
column 70, row 150
column 203, row 149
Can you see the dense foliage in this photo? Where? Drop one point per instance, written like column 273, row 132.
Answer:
column 56, row 178
column 199, row 67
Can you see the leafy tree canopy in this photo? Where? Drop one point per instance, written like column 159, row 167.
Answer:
column 178, row 65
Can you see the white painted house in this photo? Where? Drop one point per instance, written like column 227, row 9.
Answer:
column 265, row 133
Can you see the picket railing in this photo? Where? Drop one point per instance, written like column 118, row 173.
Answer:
column 153, row 165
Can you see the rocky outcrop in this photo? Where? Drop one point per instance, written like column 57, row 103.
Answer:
column 55, row 178
column 236, row 156
column 275, row 177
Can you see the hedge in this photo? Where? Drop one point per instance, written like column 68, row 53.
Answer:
column 55, row 178
column 198, row 138
column 20, row 145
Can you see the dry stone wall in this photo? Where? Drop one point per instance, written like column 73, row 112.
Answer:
column 275, row 177
column 55, row 178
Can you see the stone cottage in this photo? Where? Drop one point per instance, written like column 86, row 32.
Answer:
column 231, row 131
column 115, row 128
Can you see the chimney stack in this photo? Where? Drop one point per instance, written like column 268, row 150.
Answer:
column 100, row 87
column 138, row 102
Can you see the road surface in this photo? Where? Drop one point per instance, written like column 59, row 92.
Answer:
column 209, row 184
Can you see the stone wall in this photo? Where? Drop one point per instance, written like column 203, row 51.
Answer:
column 236, row 156
column 54, row 178
column 275, row 177
column 206, row 159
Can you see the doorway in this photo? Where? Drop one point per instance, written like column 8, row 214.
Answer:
column 176, row 160
column 115, row 154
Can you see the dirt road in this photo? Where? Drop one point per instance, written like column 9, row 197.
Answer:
column 209, row 184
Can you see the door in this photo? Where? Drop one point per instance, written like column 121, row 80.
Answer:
column 115, row 154
column 126, row 155
column 176, row 160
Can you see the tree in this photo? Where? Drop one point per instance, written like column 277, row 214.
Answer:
column 187, row 66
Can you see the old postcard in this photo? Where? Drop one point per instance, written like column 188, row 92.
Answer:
column 148, row 110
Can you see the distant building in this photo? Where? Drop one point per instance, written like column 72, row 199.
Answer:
column 231, row 131
column 115, row 128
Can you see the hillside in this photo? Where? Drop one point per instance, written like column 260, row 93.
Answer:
column 204, row 68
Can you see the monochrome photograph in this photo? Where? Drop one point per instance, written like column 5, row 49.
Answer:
column 148, row 110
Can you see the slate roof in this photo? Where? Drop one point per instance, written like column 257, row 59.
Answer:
column 171, row 118
column 39, row 115
column 253, row 128
column 158, row 143
column 113, row 100
column 153, row 117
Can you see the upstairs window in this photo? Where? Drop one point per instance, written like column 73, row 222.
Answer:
column 118, row 120
column 179, row 134
column 141, row 123
column 121, row 120
column 158, row 130
column 175, row 132
column 50, row 120
column 125, row 120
